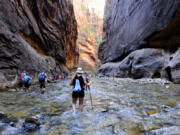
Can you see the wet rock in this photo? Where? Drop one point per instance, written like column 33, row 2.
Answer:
column 149, row 127
column 52, row 114
column 18, row 115
column 31, row 124
column 151, row 112
column 30, row 127
column 131, row 128
column 14, row 124
column 171, row 104
column 173, row 130
column 11, row 119
column 2, row 115
column 32, row 120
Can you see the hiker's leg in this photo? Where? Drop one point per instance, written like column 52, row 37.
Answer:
column 81, row 104
column 42, row 87
column 25, row 87
column 74, row 100
column 28, row 86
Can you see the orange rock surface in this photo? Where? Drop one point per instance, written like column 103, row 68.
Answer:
column 89, row 16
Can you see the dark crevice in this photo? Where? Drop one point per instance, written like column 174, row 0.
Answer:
column 157, row 74
column 168, row 71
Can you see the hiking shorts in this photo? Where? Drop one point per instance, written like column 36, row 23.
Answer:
column 78, row 94
column 26, row 84
column 42, row 84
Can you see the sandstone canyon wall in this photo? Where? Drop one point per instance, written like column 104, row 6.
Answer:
column 141, row 39
column 89, row 15
column 35, row 35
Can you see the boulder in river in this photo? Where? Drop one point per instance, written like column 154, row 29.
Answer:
column 31, row 124
column 2, row 115
column 144, row 63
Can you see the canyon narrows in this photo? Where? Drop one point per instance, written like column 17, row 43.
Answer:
column 134, row 90
column 89, row 16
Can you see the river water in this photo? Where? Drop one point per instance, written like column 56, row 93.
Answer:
column 120, row 107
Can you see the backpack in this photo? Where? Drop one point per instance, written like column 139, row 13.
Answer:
column 42, row 76
column 26, row 79
column 76, row 81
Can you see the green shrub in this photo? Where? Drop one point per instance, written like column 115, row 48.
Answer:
column 50, row 2
column 72, row 70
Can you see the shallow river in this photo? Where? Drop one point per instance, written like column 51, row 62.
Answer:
column 120, row 108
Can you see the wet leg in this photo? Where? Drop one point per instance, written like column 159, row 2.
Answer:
column 81, row 104
column 74, row 100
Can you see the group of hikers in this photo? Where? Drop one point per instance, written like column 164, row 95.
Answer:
column 25, row 77
column 79, row 82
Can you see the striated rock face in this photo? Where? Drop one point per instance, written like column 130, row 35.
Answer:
column 130, row 26
column 89, row 15
column 128, row 23
column 35, row 36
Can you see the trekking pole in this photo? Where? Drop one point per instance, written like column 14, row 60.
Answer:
column 90, row 97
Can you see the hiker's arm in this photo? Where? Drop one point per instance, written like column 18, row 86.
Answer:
column 85, row 81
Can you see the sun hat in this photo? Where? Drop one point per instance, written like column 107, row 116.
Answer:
column 79, row 70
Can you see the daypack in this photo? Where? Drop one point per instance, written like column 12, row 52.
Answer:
column 77, row 86
column 42, row 76
column 78, row 81
column 26, row 79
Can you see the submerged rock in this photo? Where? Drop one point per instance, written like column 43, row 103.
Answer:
column 31, row 124
column 2, row 115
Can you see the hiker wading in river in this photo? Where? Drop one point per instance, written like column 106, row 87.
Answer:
column 78, row 82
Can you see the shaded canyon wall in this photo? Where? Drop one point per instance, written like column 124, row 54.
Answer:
column 36, row 35
column 141, row 39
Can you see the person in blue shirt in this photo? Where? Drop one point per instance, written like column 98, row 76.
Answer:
column 42, row 80
column 86, row 76
column 27, row 79
column 78, row 82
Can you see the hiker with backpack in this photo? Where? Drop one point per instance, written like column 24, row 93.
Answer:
column 78, row 82
column 86, row 76
column 42, row 80
column 27, row 79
